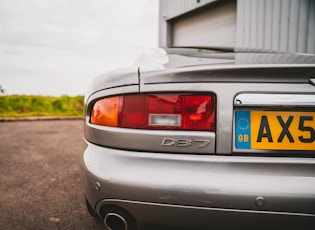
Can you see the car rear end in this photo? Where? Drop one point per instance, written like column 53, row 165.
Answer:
column 202, row 140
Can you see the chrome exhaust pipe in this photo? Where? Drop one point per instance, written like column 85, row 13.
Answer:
column 114, row 221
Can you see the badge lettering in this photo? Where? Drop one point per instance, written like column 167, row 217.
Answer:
column 203, row 144
column 184, row 142
column 168, row 142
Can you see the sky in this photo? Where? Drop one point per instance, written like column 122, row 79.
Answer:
column 57, row 47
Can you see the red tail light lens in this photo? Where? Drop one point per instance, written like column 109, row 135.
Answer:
column 157, row 111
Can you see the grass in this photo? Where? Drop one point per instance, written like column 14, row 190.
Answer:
column 29, row 106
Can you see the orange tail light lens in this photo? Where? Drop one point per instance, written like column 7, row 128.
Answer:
column 105, row 112
column 156, row 111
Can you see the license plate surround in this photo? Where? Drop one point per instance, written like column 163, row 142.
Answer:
column 258, row 130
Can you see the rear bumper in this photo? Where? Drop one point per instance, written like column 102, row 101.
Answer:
column 198, row 191
column 163, row 216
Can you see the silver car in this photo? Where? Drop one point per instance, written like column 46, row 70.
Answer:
column 203, row 138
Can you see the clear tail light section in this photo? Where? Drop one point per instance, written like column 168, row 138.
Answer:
column 156, row 111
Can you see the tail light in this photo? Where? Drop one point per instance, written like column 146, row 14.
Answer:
column 156, row 111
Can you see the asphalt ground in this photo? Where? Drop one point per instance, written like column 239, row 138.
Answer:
column 40, row 176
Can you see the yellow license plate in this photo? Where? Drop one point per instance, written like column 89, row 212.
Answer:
column 275, row 130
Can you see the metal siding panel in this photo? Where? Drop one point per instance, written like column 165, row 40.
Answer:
column 294, row 23
column 260, row 23
column 276, row 25
column 240, row 19
column 311, row 29
column 212, row 27
column 173, row 9
column 303, row 26
column 253, row 24
column 176, row 8
column 285, row 25
column 284, row 30
column 162, row 24
column 268, row 25
column 247, row 17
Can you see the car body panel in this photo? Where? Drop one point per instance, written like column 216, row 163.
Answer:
column 215, row 182
column 144, row 140
column 225, row 105
column 156, row 183
column 116, row 78
column 237, row 74
column 225, row 101
column 189, row 218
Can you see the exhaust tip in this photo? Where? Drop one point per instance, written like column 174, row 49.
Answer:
column 114, row 221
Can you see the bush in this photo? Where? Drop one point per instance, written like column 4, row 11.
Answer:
column 21, row 106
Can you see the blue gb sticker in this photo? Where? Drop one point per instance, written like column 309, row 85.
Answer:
column 242, row 130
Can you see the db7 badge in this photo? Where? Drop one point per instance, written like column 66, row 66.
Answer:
column 184, row 142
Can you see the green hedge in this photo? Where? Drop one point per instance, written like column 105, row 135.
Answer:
column 21, row 106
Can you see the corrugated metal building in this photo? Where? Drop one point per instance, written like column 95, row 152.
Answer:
column 285, row 25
